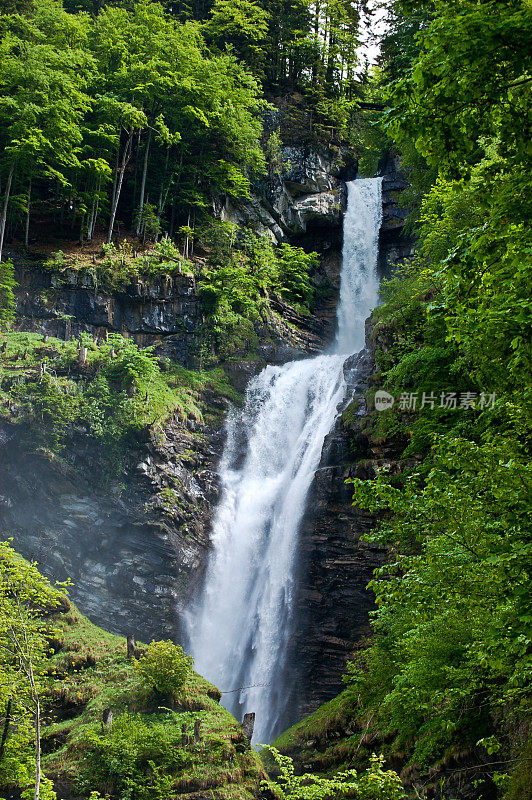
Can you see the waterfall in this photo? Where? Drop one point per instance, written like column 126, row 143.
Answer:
column 239, row 629
column 359, row 284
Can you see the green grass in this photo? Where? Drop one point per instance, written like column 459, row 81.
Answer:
column 90, row 672
column 328, row 740
column 121, row 391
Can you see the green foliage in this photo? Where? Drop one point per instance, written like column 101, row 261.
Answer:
column 242, row 270
column 241, row 25
column 375, row 784
column 142, row 754
column 164, row 667
column 294, row 268
column 137, row 758
column 25, row 599
column 7, row 296
column 148, row 220
column 44, row 69
column 121, row 391
column 149, row 61
column 449, row 664
column 453, row 620
column 120, row 264
column 274, row 154
column 76, row 89
column 467, row 84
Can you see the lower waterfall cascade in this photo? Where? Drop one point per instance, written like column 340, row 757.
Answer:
column 240, row 627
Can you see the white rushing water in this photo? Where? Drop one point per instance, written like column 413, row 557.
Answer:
column 239, row 630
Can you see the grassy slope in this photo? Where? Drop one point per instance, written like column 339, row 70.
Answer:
column 90, row 672
column 174, row 390
column 328, row 740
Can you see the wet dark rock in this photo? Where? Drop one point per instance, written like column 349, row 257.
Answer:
column 396, row 243
column 335, row 564
column 132, row 549
column 165, row 311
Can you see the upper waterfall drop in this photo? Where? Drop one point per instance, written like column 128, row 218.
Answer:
column 239, row 630
column 359, row 284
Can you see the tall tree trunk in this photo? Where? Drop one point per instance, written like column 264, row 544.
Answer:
column 185, row 255
column 96, row 207
column 35, row 697
column 331, row 55
column 82, row 223
column 4, row 208
column 314, row 77
column 37, row 749
column 162, row 193
column 172, row 221
column 165, row 190
column 91, row 217
column 143, row 182
column 115, row 175
column 118, row 188
column 7, row 722
column 136, row 146
column 28, row 206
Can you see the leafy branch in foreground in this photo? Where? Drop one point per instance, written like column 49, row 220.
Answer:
column 25, row 600
column 374, row 784
column 452, row 626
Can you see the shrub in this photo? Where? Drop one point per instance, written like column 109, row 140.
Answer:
column 165, row 667
column 375, row 784
column 138, row 759
column 7, row 297
column 293, row 276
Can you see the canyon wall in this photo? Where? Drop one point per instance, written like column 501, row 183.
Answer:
column 136, row 550
column 336, row 565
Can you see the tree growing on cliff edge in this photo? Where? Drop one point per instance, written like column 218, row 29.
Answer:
column 25, row 598
column 44, row 69
column 7, row 296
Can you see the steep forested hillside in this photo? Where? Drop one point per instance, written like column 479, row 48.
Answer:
column 444, row 684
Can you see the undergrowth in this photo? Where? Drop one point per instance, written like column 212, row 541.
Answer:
column 111, row 391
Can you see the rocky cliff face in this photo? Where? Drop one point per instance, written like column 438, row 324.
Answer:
column 164, row 311
column 136, row 551
column 333, row 603
column 395, row 242
column 134, row 548
column 306, row 189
